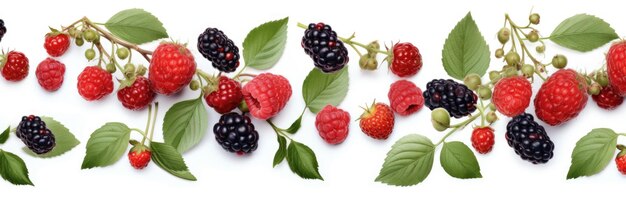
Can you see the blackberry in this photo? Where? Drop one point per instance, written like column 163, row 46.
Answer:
column 529, row 139
column 459, row 100
column 236, row 133
column 34, row 133
column 215, row 46
column 3, row 30
column 320, row 42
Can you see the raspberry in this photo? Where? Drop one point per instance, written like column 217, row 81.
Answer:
column 50, row 74
column 405, row 97
column 561, row 97
column 225, row 95
column 56, row 44
column 236, row 133
column 333, row 124
column 94, row 83
column 34, row 133
column 608, row 98
column 3, row 29
column 138, row 95
column 139, row 156
column 529, row 139
column 377, row 121
column 483, row 139
column 616, row 67
column 14, row 66
column 266, row 95
column 511, row 95
column 320, row 42
column 215, row 46
column 406, row 60
column 456, row 98
column 620, row 161
column 171, row 69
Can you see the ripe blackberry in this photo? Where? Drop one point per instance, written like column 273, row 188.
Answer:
column 320, row 42
column 529, row 139
column 34, row 133
column 3, row 30
column 459, row 100
column 236, row 133
column 215, row 46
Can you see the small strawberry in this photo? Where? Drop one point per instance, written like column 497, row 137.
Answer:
column 139, row 156
column 483, row 139
column 224, row 95
column 511, row 95
column 56, row 43
column 608, row 98
column 94, row 83
column 377, row 121
column 616, row 67
column 171, row 69
column 405, row 60
column 14, row 66
column 50, row 74
column 137, row 95
column 561, row 98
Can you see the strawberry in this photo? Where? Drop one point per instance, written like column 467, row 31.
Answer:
column 616, row 67
column 561, row 98
column 14, row 66
column 377, row 121
column 56, row 43
column 511, row 95
column 139, row 156
column 172, row 67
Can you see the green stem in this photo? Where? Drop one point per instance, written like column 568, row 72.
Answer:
column 279, row 131
column 240, row 71
column 147, row 124
column 457, row 127
column 481, row 109
column 156, row 112
column 141, row 132
column 116, row 40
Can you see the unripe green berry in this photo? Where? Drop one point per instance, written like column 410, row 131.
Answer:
column 90, row 54
column 512, row 58
column 533, row 36
column 602, row 79
column 472, row 81
column 141, row 70
column 90, row 35
column 494, row 76
column 129, row 67
column 371, row 46
column 503, row 35
column 484, row 92
column 491, row 117
column 440, row 119
column 72, row 32
column 594, row 89
column 559, row 61
column 499, row 53
column 111, row 67
column 528, row 70
column 510, row 72
column 492, row 107
column 194, row 85
column 79, row 41
column 122, row 53
column 368, row 63
column 540, row 48
column 534, row 18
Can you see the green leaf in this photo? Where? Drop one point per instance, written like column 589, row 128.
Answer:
column 185, row 124
column 5, row 135
column 408, row 162
column 265, row 44
column 65, row 140
column 281, row 152
column 583, row 33
column 592, row 153
column 295, row 126
column 170, row 160
column 320, row 89
column 106, row 145
column 13, row 169
column 459, row 161
column 136, row 26
column 302, row 161
column 465, row 50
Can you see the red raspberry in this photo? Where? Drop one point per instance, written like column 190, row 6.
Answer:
column 377, row 121
column 266, row 95
column 138, row 95
column 224, row 96
column 483, row 139
column 405, row 97
column 50, row 74
column 620, row 161
column 139, row 156
column 406, row 60
column 511, row 95
column 608, row 98
column 171, row 69
column 561, row 97
column 56, row 44
column 333, row 124
column 616, row 67
column 15, row 66
column 94, row 83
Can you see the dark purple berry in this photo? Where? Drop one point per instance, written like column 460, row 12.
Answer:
column 34, row 133
column 459, row 100
column 320, row 42
column 529, row 139
column 215, row 46
column 236, row 133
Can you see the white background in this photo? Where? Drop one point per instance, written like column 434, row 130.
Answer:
column 228, row 181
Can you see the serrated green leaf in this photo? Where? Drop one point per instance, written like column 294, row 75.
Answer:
column 320, row 89
column 459, row 161
column 13, row 169
column 302, row 161
column 583, row 33
column 265, row 44
column 465, row 50
column 106, row 145
column 281, row 152
column 185, row 124
column 5, row 135
column 65, row 140
column 170, row 160
column 295, row 126
column 408, row 162
column 593, row 152
column 136, row 26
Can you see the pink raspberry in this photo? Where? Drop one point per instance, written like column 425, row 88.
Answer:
column 333, row 124
column 266, row 95
column 405, row 97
